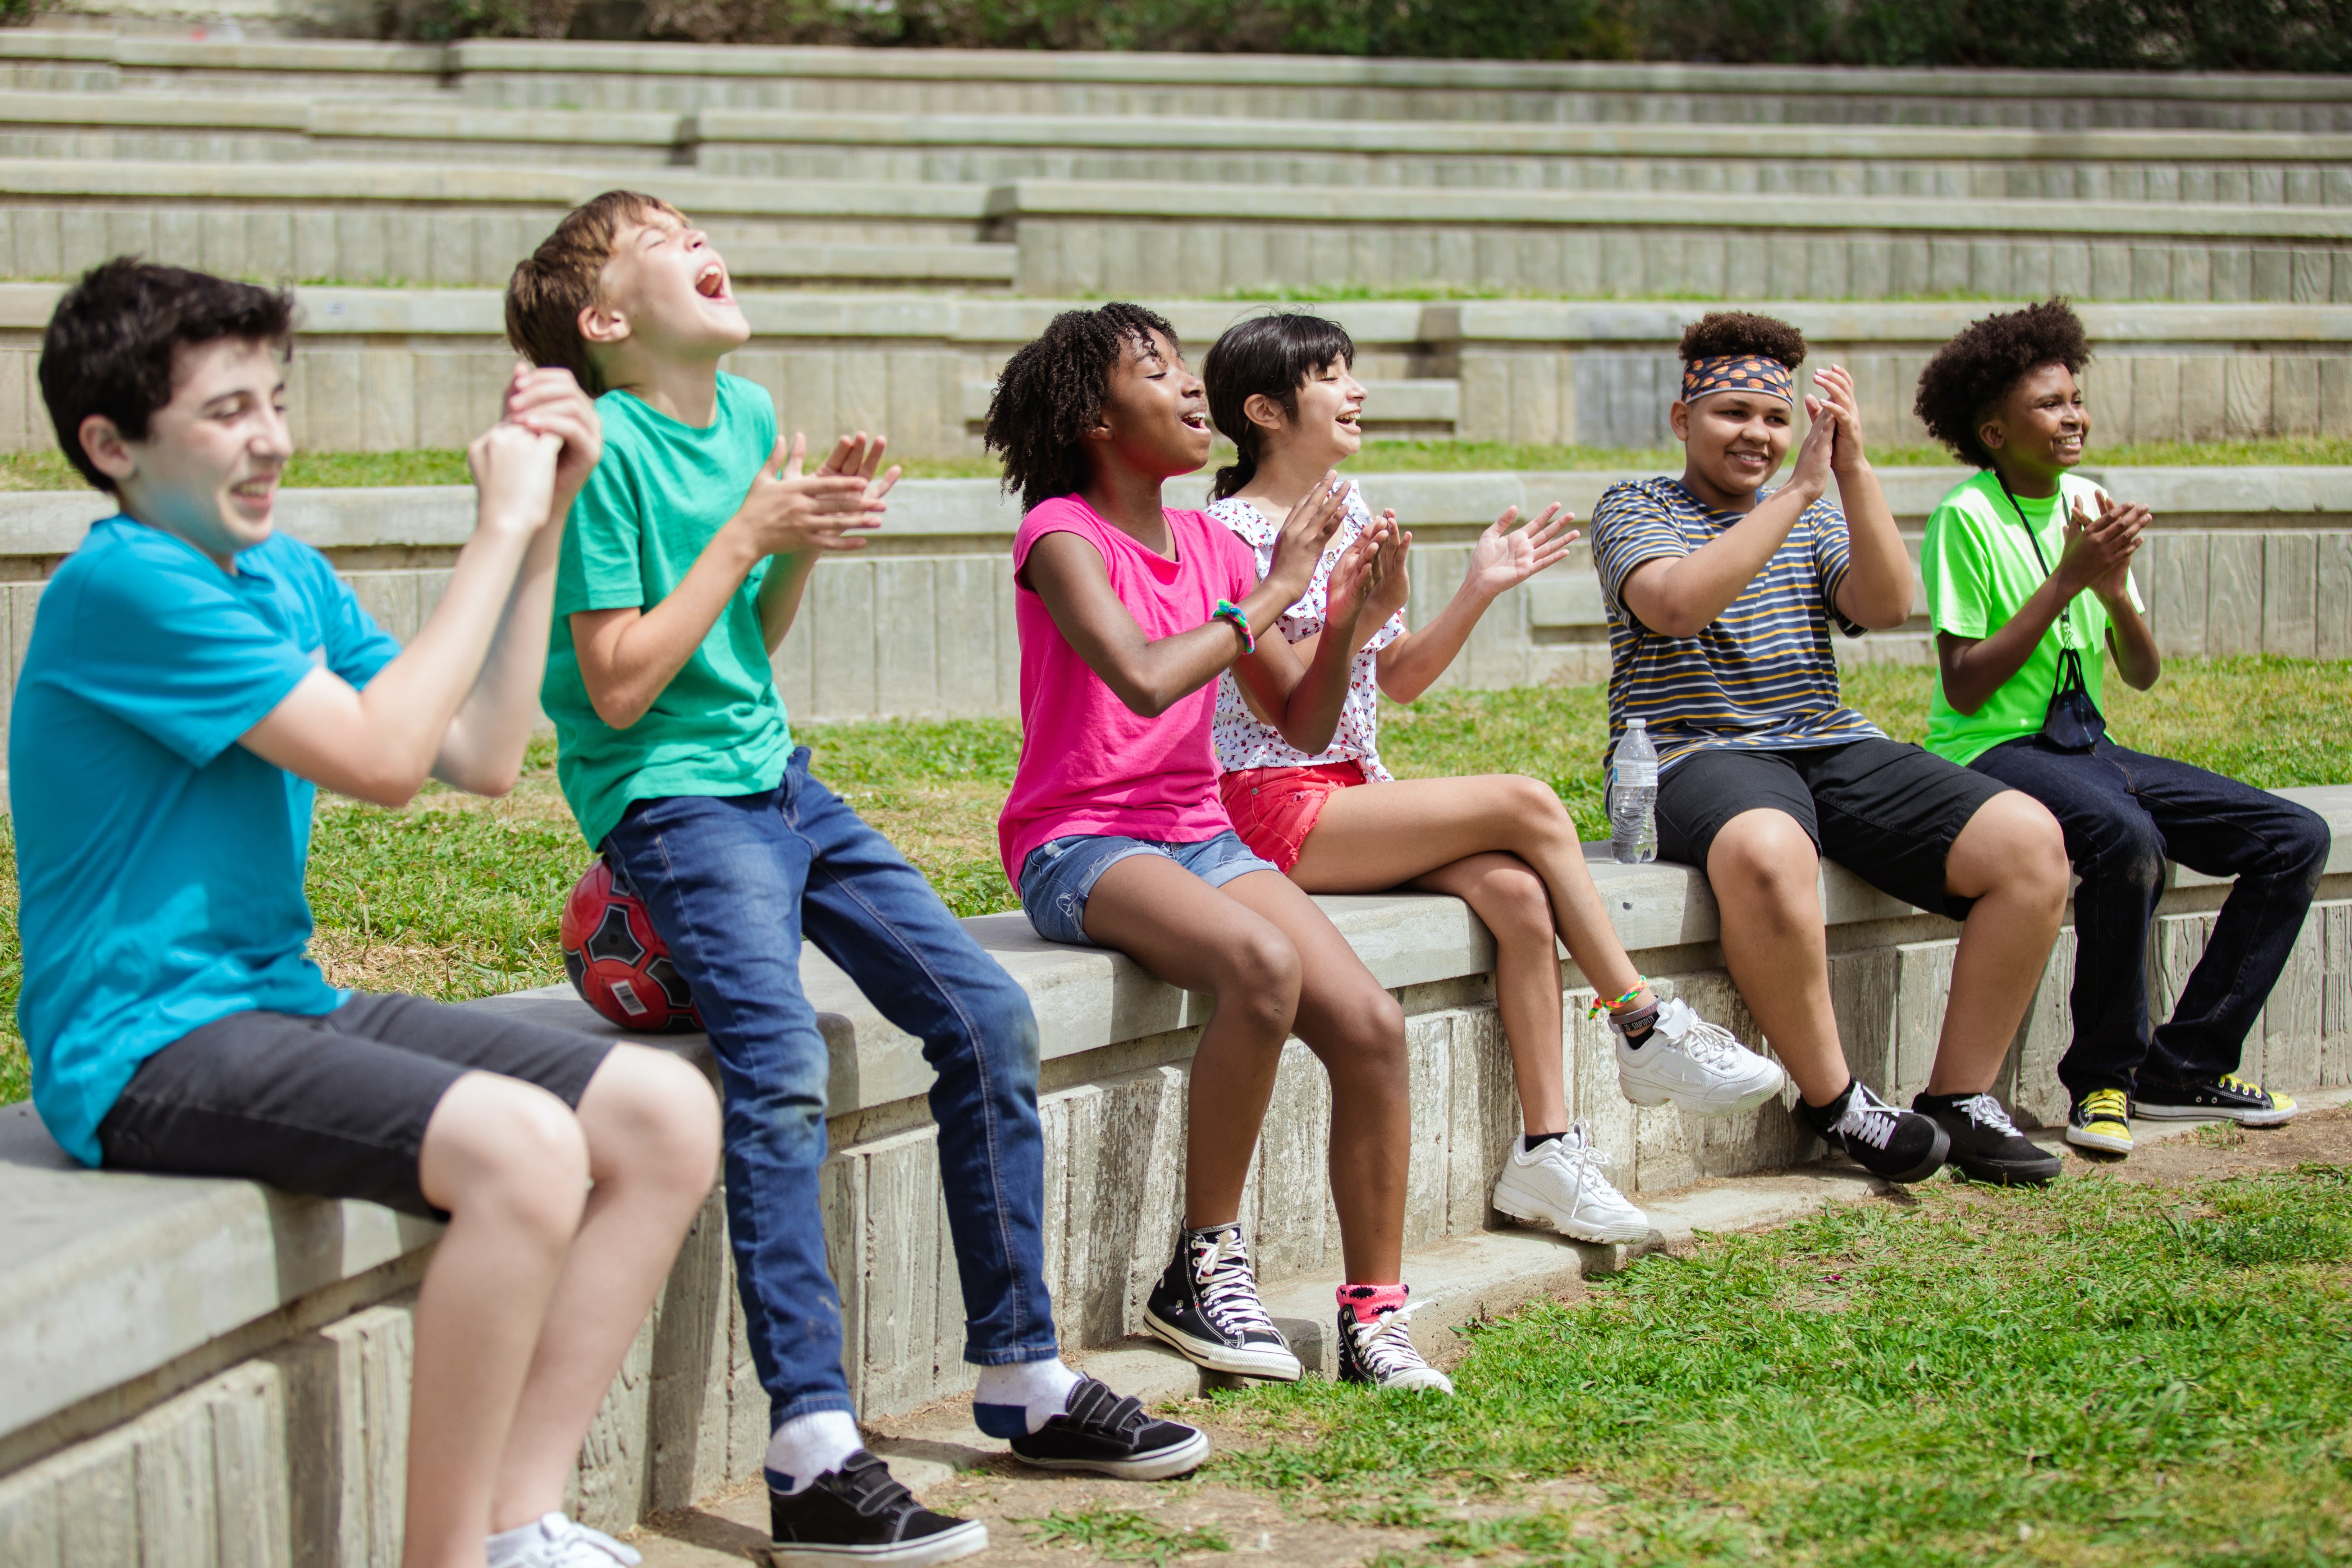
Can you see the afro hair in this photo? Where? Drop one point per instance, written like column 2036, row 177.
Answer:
column 1051, row 392
column 1720, row 332
column 1970, row 374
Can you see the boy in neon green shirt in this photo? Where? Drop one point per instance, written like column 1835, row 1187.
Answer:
column 2022, row 563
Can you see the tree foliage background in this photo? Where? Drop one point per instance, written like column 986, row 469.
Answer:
column 2116, row 35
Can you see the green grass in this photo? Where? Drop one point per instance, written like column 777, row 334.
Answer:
column 456, row 897
column 1123, row 1535
column 49, row 470
column 2092, row 1373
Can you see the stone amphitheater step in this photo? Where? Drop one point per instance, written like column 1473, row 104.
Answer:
column 380, row 369
column 1962, row 162
column 454, row 224
column 917, row 82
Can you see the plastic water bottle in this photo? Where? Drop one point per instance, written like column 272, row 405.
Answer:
column 1634, row 796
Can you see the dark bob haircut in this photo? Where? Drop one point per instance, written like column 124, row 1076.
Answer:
column 112, row 343
column 1720, row 332
column 1969, row 375
column 1272, row 355
column 1051, row 392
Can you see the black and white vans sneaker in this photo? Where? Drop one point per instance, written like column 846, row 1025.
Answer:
column 1112, row 1435
column 1206, row 1306
column 1986, row 1144
column 2225, row 1096
column 1897, row 1145
column 1382, row 1354
column 859, row 1514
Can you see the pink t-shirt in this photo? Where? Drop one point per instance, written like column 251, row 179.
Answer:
column 1089, row 763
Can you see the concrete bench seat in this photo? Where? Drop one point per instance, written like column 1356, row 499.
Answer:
column 225, row 1367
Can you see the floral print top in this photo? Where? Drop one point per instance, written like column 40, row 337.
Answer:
column 1243, row 742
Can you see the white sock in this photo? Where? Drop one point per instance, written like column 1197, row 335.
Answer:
column 1020, row 1399
column 509, row 1544
column 806, row 1446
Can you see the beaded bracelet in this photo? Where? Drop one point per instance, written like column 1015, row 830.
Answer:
column 1227, row 610
column 1641, row 984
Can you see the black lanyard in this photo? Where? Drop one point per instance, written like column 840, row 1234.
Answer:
column 2066, row 634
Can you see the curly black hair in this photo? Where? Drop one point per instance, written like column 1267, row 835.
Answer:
column 1051, row 391
column 1273, row 354
column 1970, row 374
column 1722, row 333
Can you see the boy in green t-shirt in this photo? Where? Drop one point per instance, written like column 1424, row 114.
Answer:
column 2024, row 564
column 684, row 561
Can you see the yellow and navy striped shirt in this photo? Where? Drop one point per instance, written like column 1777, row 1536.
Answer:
column 1760, row 677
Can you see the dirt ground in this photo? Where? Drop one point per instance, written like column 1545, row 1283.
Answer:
column 1279, row 1531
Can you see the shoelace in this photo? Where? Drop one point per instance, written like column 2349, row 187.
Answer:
column 1228, row 1290
column 1385, row 1345
column 2106, row 1104
column 2232, row 1082
column 1584, row 1162
column 1868, row 1118
column 1986, row 1112
column 576, row 1535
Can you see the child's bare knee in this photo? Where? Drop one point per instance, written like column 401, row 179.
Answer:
column 502, row 1149
column 657, row 1119
column 1261, row 975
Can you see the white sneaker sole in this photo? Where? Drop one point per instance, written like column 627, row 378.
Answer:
column 1653, row 1095
column 2214, row 1114
column 1275, row 1366
column 969, row 1539
column 1531, row 1211
column 1181, row 1460
column 2083, row 1139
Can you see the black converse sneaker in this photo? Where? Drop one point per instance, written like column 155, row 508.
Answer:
column 859, row 1514
column 1382, row 1353
column 2225, row 1096
column 1986, row 1146
column 1112, row 1435
column 1899, row 1145
column 1206, row 1306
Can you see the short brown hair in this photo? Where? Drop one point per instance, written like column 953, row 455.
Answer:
column 1740, row 333
column 555, row 283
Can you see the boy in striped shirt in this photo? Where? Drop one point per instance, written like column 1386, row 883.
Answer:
column 1721, row 597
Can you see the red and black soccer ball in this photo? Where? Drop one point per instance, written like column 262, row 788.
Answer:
column 617, row 962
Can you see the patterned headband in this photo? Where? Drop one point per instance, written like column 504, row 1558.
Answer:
column 1738, row 372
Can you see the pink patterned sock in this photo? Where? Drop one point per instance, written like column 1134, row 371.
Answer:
column 1368, row 1301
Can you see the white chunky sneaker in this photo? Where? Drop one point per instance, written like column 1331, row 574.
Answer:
column 1695, row 1064
column 1380, row 1352
column 557, row 1542
column 1560, row 1183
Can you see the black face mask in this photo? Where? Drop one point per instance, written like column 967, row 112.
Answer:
column 2072, row 722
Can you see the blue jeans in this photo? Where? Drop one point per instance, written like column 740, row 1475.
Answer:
column 2125, row 814
column 733, row 884
column 1061, row 873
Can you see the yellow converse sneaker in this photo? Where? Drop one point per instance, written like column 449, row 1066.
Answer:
column 2101, row 1120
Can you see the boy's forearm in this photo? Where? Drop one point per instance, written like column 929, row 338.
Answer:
column 1879, row 585
column 1974, row 671
column 2133, row 643
column 483, row 747
column 628, row 665
column 780, row 595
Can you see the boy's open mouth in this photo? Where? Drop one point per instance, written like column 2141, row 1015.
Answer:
column 712, row 281
column 2070, row 446
column 259, row 489
column 1196, row 419
column 1351, row 418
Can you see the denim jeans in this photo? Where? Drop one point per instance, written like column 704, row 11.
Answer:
column 733, row 885
column 2126, row 814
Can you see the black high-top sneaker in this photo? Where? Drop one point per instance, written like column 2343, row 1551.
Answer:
column 859, row 1514
column 1381, row 1353
column 1112, row 1435
column 1899, row 1145
column 1206, row 1306
column 1986, row 1144
column 2224, row 1095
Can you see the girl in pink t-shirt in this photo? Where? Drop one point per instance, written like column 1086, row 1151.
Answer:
column 1114, row 836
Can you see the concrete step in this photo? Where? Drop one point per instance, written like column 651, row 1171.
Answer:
column 559, row 75
column 1962, row 162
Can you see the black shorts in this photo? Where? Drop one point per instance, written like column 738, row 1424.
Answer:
column 1885, row 810
column 332, row 1106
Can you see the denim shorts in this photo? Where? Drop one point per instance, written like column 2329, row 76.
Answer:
column 1061, row 872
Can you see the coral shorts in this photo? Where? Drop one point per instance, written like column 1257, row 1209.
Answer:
column 1273, row 809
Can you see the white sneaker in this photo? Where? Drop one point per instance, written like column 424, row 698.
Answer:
column 1560, row 1183
column 556, row 1542
column 1695, row 1065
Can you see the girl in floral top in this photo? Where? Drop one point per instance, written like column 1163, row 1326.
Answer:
column 1280, row 388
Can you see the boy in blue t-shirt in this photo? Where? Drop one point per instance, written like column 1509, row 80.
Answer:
column 2029, row 580
column 192, row 676
column 684, row 561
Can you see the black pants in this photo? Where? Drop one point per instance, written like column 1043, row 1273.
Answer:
column 2124, row 814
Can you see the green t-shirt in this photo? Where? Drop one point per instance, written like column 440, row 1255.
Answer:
column 1979, row 568
column 658, row 496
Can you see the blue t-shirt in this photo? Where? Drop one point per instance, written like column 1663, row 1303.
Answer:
column 158, row 864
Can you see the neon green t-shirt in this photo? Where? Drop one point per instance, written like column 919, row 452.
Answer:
column 1979, row 568
column 661, row 492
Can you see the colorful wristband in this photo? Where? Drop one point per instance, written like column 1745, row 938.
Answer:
column 1227, row 610
column 1640, row 983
